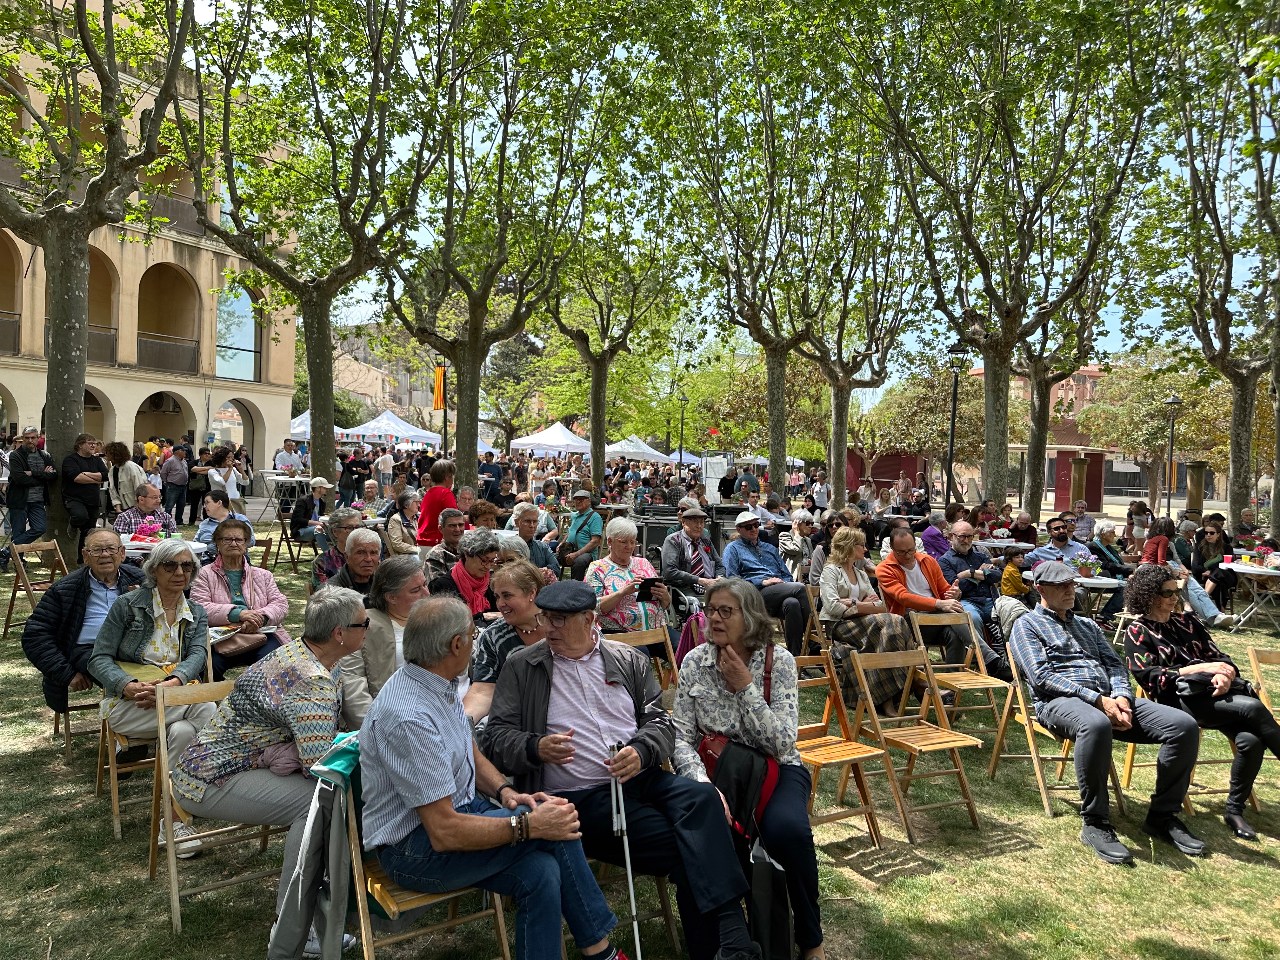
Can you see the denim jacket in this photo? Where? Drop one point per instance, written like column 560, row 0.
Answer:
column 124, row 636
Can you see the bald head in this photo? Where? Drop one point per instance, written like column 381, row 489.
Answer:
column 961, row 536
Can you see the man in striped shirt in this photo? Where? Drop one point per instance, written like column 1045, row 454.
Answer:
column 1082, row 693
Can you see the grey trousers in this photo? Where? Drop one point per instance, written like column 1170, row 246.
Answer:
column 1176, row 732
column 262, row 797
column 135, row 722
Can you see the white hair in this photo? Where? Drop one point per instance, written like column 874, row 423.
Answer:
column 362, row 536
column 1104, row 527
column 801, row 515
column 620, row 527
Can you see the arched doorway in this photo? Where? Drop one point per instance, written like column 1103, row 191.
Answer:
column 163, row 415
column 10, row 295
column 99, row 416
column 168, row 320
column 239, row 422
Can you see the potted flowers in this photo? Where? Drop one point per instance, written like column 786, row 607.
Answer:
column 1084, row 566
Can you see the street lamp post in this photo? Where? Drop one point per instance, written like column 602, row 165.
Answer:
column 684, row 400
column 1173, row 403
column 956, row 360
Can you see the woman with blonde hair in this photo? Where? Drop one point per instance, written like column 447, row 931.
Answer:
column 854, row 616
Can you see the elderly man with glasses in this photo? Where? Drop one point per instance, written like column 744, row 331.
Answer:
column 761, row 565
column 573, row 711
column 1082, row 693
column 146, row 509
column 58, row 638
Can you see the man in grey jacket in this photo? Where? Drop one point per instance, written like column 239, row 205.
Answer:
column 561, row 708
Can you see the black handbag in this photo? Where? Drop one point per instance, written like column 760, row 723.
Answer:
column 1189, row 685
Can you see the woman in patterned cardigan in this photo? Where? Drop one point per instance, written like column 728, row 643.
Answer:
column 251, row 763
column 722, row 691
column 1176, row 663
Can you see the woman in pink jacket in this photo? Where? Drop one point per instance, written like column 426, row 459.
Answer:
column 236, row 593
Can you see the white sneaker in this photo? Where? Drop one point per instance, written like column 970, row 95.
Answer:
column 313, row 949
column 187, row 847
column 1224, row 620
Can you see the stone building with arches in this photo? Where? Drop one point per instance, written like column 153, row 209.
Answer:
column 174, row 347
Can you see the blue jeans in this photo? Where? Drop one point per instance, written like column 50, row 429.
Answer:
column 547, row 879
column 1199, row 599
column 27, row 521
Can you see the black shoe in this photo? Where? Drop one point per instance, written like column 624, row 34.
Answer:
column 1239, row 826
column 751, row 953
column 1174, row 831
column 1102, row 841
column 138, row 751
column 4, row 561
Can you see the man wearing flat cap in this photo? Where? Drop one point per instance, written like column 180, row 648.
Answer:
column 689, row 558
column 561, row 708
column 760, row 564
column 585, row 533
column 1082, row 693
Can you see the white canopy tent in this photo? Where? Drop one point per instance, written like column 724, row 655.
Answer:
column 633, row 448
column 687, row 458
column 300, row 427
column 556, row 438
column 483, row 447
column 388, row 426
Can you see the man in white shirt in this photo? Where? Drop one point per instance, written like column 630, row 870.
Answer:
column 821, row 491
column 382, row 468
column 289, row 457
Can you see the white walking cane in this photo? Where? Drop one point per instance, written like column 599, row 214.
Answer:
column 620, row 830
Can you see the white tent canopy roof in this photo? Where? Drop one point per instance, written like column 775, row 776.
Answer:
column 556, row 437
column 392, row 427
column 633, row 448
column 300, row 427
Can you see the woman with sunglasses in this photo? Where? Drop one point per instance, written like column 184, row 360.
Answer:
column 1206, row 560
column 155, row 637
column 832, row 524
column 1176, row 662
column 252, row 762
column 235, row 593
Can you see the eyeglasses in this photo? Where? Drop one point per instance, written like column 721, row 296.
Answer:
column 359, row 626
column 102, row 551
column 347, row 527
column 1169, row 593
column 556, row 620
column 231, row 540
column 489, row 560
column 963, row 536
column 173, row 566
column 725, row 612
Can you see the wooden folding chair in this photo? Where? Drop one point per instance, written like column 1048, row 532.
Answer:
column 820, row 748
column 292, row 548
column 1194, row 788
column 164, row 804
column 32, row 587
column 1258, row 658
column 1024, row 714
column 970, row 676
column 913, row 733
column 814, row 632
column 668, row 674
column 110, row 768
column 1123, row 619
column 62, row 720
column 372, row 881
column 268, row 551
column 608, row 874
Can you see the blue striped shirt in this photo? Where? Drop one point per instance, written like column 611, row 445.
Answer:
column 415, row 749
column 1067, row 657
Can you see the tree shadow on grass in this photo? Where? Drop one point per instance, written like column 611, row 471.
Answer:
column 896, row 860
column 1148, row 948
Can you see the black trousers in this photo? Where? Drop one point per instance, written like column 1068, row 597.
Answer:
column 676, row 829
column 82, row 516
column 790, row 601
column 788, row 838
column 1247, row 723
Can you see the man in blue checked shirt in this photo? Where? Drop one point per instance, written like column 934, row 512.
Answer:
column 761, row 564
column 1082, row 693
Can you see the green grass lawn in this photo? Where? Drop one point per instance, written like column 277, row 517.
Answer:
column 1023, row 887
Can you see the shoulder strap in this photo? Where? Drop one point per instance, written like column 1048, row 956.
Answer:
column 768, row 675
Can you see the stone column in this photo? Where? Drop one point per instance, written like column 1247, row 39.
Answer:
column 1079, row 470
column 1195, row 485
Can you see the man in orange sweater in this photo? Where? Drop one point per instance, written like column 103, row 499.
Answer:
column 912, row 580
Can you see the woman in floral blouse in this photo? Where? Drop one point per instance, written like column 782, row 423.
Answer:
column 722, row 692
column 616, row 580
column 1168, row 650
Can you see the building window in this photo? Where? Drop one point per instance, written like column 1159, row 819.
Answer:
column 239, row 355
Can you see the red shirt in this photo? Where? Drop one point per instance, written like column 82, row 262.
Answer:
column 436, row 500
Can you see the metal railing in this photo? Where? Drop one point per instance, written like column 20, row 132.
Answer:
column 10, row 332
column 174, row 354
column 178, row 211
column 102, row 344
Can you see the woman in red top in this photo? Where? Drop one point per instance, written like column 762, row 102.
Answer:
column 1158, row 547
column 439, row 497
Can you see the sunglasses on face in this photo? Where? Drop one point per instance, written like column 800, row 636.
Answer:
column 359, row 626
column 749, row 526
column 173, row 566
column 1169, row 593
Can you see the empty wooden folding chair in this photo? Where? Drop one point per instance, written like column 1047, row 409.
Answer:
column 814, row 631
column 1024, row 714
column 970, row 676
column 268, row 552
column 913, row 734
column 62, row 721
column 164, row 804
column 292, row 549
column 821, row 749
column 667, row 673
column 1258, row 658
column 30, row 585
